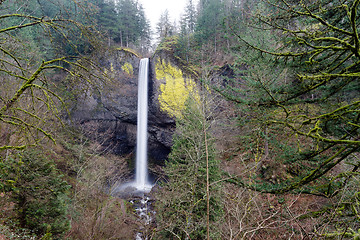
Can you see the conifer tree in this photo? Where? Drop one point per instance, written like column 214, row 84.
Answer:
column 164, row 27
column 107, row 19
column 188, row 205
column 300, row 80
column 124, row 22
column 321, row 57
column 209, row 22
column 189, row 17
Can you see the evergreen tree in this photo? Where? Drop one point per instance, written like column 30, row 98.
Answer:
column 134, row 27
column 300, row 80
column 189, row 17
column 127, row 14
column 325, row 62
column 144, row 30
column 188, row 205
column 124, row 22
column 38, row 191
column 209, row 22
column 164, row 27
column 187, row 29
column 107, row 19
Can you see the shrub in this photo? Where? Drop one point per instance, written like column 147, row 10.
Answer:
column 39, row 192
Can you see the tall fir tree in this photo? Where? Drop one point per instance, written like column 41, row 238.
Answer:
column 209, row 22
column 164, row 27
column 188, row 205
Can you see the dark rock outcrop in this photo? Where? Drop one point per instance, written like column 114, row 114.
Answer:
column 108, row 112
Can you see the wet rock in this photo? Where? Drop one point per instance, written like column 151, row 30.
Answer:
column 108, row 113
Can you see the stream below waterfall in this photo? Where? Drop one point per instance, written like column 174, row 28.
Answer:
column 142, row 207
column 146, row 214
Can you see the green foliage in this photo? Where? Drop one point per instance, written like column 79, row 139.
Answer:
column 67, row 39
column 124, row 22
column 188, row 21
column 28, row 99
column 296, row 87
column 134, row 27
column 39, row 192
column 297, row 80
column 209, row 21
column 176, row 90
column 128, row 68
column 107, row 17
column 16, row 234
column 164, row 27
column 33, row 35
column 181, row 204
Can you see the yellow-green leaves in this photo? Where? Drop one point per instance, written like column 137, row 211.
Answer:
column 175, row 90
column 128, row 68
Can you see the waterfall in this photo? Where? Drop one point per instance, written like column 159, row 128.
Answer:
column 138, row 189
column 141, row 170
column 141, row 184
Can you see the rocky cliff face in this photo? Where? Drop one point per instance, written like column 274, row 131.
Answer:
column 108, row 112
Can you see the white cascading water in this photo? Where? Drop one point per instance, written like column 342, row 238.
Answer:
column 141, row 170
column 141, row 185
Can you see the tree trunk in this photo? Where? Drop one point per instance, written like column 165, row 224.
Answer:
column 207, row 182
column 121, row 39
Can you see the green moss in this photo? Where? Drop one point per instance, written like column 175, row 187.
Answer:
column 176, row 90
column 170, row 48
column 168, row 44
column 129, row 51
column 128, row 68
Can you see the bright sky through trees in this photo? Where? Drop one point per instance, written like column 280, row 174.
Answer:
column 154, row 8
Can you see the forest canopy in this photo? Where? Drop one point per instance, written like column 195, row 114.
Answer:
column 266, row 145
column 293, row 76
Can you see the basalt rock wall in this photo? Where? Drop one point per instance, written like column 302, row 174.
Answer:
column 107, row 112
